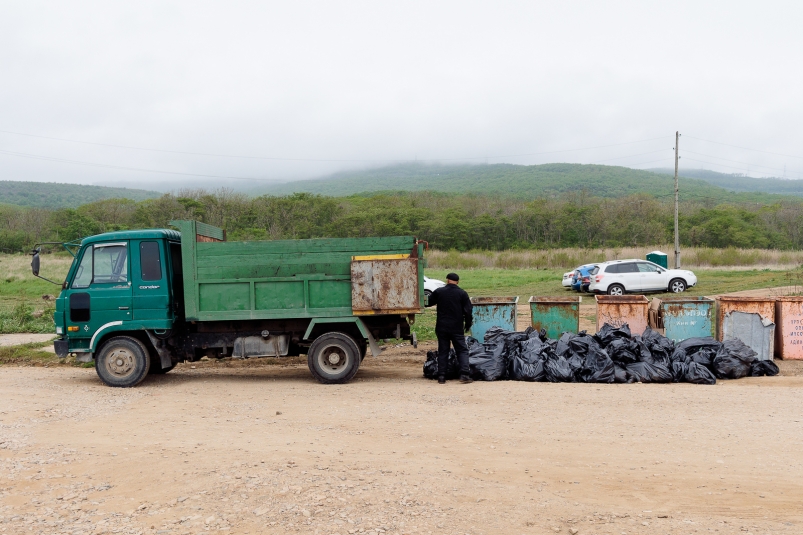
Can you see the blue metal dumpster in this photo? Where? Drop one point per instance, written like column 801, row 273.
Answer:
column 493, row 312
column 556, row 315
column 687, row 317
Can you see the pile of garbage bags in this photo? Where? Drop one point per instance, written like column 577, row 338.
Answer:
column 613, row 355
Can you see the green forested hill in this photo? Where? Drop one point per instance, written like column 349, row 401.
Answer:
column 737, row 182
column 54, row 195
column 519, row 181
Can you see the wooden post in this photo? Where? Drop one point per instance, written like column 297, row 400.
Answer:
column 677, row 234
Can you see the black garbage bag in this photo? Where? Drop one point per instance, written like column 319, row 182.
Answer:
column 649, row 373
column 597, row 367
column 699, row 349
column 624, row 350
column 496, row 335
column 659, row 346
column 562, row 347
column 475, row 347
column 760, row 368
column 576, row 364
column 609, row 333
column 490, row 365
column 528, row 363
column 558, row 370
column 645, row 355
column 534, row 349
column 692, row 372
column 431, row 365
column 620, row 374
column 521, row 369
column 733, row 360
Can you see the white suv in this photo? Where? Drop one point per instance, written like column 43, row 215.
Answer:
column 619, row 276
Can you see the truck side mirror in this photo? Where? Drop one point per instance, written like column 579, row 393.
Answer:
column 35, row 262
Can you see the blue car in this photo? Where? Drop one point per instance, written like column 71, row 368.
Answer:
column 582, row 277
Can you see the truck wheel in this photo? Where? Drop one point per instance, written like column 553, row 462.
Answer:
column 122, row 361
column 333, row 358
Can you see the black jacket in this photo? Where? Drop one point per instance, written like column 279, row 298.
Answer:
column 454, row 309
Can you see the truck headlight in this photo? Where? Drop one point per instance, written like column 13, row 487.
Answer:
column 59, row 330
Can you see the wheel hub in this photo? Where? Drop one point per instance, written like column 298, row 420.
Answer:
column 120, row 362
column 332, row 358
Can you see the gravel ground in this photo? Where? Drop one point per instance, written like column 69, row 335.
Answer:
column 259, row 447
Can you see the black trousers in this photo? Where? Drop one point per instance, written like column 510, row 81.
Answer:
column 460, row 347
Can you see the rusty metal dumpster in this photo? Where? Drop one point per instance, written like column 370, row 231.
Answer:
column 789, row 328
column 620, row 309
column 493, row 312
column 750, row 319
column 687, row 317
column 556, row 315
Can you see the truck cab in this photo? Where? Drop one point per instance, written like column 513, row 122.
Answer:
column 119, row 281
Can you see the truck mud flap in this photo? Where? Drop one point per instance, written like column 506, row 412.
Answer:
column 164, row 354
column 62, row 348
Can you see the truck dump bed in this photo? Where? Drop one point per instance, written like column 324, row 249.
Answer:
column 297, row 278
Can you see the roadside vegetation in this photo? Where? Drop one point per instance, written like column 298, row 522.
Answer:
column 31, row 355
column 463, row 222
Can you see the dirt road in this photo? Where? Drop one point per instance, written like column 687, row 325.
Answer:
column 256, row 448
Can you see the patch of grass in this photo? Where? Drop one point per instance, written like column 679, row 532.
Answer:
column 424, row 326
column 22, row 315
column 28, row 355
column 570, row 258
column 527, row 282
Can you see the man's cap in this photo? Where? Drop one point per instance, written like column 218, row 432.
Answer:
column 452, row 277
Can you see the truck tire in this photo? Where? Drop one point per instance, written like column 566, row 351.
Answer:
column 334, row 358
column 122, row 361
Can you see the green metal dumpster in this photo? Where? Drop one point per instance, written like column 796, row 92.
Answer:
column 555, row 314
column 493, row 312
column 657, row 257
column 687, row 317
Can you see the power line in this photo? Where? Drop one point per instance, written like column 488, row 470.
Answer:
column 631, row 156
column 745, row 148
column 733, row 161
column 720, row 164
column 323, row 159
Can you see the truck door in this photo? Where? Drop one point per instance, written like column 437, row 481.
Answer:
column 151, row 291
column 100, row 294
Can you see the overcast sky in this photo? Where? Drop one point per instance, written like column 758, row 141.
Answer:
column 362, row 83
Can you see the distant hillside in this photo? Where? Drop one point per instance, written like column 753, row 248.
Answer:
column 518, row 181
column 737, row 182
column 54, row 195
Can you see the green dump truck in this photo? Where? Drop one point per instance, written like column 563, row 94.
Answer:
column 140, row 301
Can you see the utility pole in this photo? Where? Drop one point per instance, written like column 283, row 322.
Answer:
column 677, row 235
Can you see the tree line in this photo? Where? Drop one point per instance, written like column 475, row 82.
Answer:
column 446, row 221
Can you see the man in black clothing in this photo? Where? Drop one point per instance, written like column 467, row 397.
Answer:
column 454, row 318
